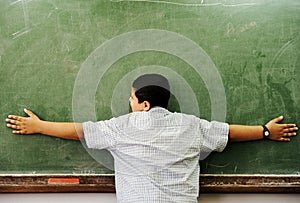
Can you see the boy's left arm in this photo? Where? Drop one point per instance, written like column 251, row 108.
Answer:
column 277, row 132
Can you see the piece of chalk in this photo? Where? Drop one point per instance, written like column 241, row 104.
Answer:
column 63, row 181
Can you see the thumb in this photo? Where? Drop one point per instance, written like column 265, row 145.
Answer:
column 278, row 119
column 30, row 113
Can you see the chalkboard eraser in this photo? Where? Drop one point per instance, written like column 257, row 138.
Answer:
column 61, row 181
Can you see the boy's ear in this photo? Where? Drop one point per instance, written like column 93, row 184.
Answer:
column 147, row 105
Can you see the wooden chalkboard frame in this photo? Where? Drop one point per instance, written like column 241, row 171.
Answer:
column 209, row 183
column 233, row 29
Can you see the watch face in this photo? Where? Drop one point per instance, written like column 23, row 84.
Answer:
column 266, row 133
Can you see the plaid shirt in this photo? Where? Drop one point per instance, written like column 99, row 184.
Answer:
column 157, row 153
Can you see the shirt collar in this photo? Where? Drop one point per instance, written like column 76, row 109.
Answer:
column 159, row 110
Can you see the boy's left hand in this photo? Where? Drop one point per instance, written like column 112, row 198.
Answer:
column 24, row 125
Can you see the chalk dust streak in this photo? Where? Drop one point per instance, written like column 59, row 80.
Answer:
column 202, row 4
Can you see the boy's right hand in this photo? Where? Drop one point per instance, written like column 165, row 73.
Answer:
column 281, row 132
column 24, row 125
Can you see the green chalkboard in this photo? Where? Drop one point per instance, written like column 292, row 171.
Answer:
column 235, row 61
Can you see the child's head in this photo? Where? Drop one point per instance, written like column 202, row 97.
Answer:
column 150, row 90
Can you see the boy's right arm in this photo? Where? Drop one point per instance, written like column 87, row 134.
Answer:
column 278, row 132
column 33, row 125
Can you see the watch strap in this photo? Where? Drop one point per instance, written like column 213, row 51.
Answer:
column 266, row 132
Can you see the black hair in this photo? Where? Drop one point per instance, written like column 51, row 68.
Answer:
column 153, row 88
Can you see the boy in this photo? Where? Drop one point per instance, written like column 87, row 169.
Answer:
column 156, row 152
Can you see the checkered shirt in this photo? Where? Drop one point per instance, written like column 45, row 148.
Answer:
column 156, row 153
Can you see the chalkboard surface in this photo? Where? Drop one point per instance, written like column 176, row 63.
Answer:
column 235, row 61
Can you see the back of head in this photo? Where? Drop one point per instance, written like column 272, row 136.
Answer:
column 153, row 88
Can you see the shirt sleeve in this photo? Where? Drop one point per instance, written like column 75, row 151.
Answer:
column 100, row 135
column 214, row 136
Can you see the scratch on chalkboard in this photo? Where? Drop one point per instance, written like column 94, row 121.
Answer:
column 26, row 28
column 18, row 1
column 235, row 168
column 201, row 4
column 20, row 33
column 218, row 166
column 281, row 51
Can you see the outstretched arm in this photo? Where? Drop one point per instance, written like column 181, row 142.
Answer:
column 33, row 125
column 278, row 132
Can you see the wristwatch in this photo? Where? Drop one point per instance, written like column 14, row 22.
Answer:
column 266, row 132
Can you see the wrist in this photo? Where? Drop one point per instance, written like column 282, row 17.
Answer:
column 40, row 127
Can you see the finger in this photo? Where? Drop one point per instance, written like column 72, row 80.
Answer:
column 291, row 125
column 19, row 118
column 289, row 134
column 284, row 139
column 19, row 132
column 8, row 120
column 12, row 121
column 13, row 126
column 290, row 129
